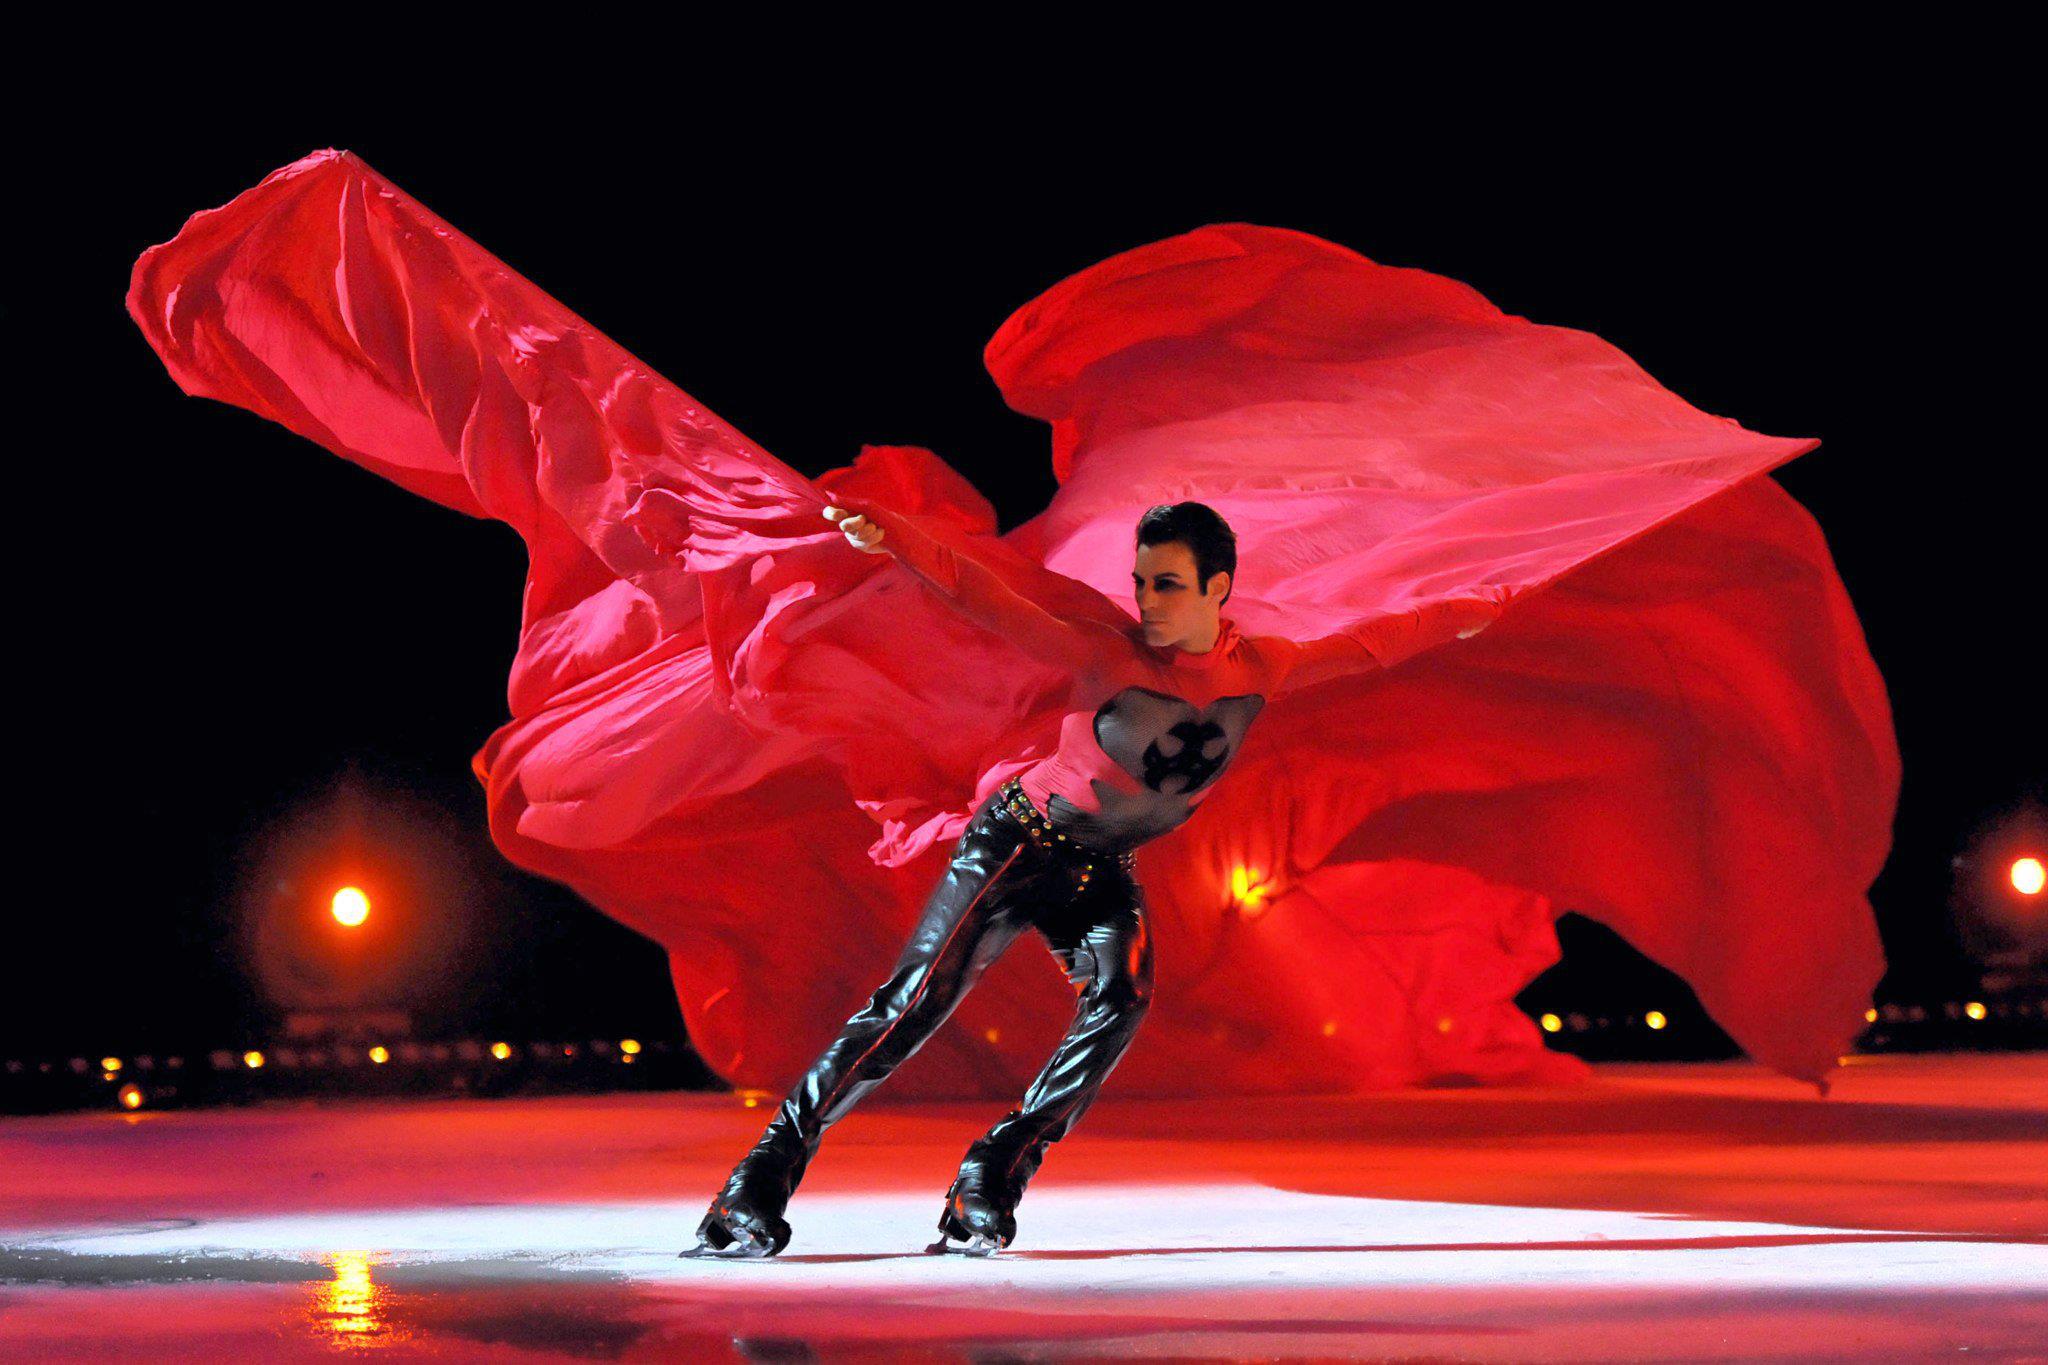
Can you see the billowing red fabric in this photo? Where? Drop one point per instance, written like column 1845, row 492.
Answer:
column 751, row 742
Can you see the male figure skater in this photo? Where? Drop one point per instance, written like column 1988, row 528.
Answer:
column 1155, row 715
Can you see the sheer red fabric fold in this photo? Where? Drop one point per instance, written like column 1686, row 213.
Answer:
column 745, row 739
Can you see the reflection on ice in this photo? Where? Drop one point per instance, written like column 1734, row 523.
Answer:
column 351, row 1309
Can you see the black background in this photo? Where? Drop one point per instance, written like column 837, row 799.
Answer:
column 222, row 625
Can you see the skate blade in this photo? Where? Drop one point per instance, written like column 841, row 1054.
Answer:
column 975, row 1246
column 704, row 1251
column 743, row 1247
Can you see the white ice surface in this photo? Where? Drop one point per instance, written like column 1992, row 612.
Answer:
column 1110, row 1239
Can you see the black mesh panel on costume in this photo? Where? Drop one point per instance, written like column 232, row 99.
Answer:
column 1172, row 747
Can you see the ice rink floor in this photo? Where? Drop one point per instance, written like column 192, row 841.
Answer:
column 1701, row 1212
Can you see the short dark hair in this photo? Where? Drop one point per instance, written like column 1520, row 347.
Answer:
column 1199, row 527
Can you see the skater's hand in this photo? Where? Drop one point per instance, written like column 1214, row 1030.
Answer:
column 861, row 532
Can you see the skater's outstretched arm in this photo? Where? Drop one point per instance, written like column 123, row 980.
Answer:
column 1374, row 645
column 1079, row 644
column 1304, row 663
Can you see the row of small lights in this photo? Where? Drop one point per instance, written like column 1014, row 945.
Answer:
column 630, row 1049
column 629, row 1052
column 1954, row 1009
column 1579, row 1023
column 254, row 1059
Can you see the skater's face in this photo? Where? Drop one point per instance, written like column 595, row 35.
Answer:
column 1172, row 602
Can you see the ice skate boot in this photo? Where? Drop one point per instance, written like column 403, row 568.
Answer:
column 745, row 1219
column 984, row 1225
column 732, row 1229
column 981, row 1206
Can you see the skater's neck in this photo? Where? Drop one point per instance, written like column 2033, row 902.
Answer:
column 1200, row 653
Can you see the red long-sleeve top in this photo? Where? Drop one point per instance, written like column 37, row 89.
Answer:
column 1150, row 729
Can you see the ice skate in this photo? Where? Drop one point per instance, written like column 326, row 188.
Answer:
column 745, row 1219
column 733, row 1231
column 982, row 1219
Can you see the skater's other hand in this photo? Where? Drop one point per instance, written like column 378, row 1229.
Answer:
column 861, row 532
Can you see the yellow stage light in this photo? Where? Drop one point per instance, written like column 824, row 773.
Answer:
column 252, row 1059
column 110, row 1063
column 502, row 1051
column 1655, row 1019
column 1551, row 1023
column 630, row 1046
column 2028, row 876
column 1870, row 1015
column 351, row 907
column 131, row 1097
column 1248, row 891
column 1975, row 1009
column 380, row 1055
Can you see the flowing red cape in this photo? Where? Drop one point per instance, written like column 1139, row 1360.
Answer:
column 755, row 745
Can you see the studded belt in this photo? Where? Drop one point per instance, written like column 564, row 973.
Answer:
column 1040, row 829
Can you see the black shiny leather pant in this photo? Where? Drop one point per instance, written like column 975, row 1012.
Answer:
column 1008, row 872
